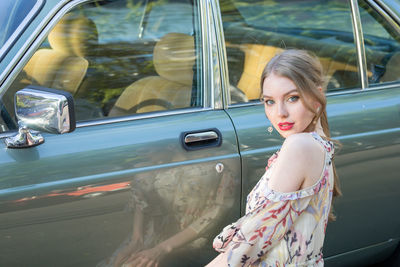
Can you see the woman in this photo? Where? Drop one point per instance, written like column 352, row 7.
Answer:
column 288, row 210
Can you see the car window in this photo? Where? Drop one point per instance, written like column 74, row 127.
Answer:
column 382, row 46
column 120, row 58
column 256, row 31
column 12, row 13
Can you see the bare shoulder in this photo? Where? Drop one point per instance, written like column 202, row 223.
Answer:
column 303, row 143
column 300, row 160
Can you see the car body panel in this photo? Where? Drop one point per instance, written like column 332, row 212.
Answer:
column 34, row 206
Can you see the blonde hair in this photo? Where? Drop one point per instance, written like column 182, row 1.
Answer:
column 305, row 71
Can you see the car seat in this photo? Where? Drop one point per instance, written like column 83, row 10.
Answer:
column 173, row 59
column 63, row 66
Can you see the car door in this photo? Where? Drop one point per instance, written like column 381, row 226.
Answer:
column 363, row 109
column 154, row 160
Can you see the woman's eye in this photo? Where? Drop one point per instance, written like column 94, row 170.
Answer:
column 293, row 98
column 269, row 102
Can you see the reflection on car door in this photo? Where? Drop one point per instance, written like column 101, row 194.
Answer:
column 71, row 200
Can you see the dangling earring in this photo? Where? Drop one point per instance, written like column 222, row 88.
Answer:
column 270, row 129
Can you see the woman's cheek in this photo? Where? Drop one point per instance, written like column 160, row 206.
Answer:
column 269, row 116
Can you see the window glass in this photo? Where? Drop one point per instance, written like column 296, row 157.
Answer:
column 120, row 58
column 12, row 13
column 382, row 46
column 256, row 31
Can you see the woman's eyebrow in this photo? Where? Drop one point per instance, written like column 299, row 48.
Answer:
column 287, row 93
column 291, row 91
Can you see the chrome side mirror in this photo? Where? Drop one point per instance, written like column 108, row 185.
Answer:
column 41, row 109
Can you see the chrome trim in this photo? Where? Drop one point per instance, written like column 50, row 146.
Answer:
column 25, row 138
column 212, row 67
column 125, row 119
column 378, row 86
column 338, row 93
column 198, row 137
column 359, row 38
column 386, row 13
column 206, row 43
column 139, row 117
column 345, row 92
column 44, row 110
column 223, row 63
column 245, row 104
column 20, row 28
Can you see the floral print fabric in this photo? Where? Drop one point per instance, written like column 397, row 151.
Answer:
column 281, row 229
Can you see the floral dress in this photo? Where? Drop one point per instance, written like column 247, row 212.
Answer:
column 281, row 229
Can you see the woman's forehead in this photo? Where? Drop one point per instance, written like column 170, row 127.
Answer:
column 278, row 85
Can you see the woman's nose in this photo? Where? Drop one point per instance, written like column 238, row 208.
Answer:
column 282, row 110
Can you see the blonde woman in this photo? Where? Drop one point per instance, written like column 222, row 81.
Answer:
column 288, row 210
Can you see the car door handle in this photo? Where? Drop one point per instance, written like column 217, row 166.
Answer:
column 201, row 139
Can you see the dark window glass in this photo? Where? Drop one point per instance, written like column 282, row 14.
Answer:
column 12, row 13
column 256, row 31
column 382, row 46
column 120, row 58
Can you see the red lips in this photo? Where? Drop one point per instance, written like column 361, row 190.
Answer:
column 285, row 126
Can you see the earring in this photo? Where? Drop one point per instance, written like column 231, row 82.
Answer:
column 270, row 129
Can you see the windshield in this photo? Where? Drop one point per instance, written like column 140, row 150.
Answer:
column 12, row 13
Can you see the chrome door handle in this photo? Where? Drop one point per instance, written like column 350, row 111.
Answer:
column 201, row 139
column 197, row 137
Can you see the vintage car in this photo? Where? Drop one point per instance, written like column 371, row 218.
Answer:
column 126, row 123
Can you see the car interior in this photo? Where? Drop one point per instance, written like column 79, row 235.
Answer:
column 116, row 77
column 149, row 73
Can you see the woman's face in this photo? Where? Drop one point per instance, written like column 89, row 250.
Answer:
column 283, row 106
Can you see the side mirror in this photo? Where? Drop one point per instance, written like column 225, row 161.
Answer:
column 41, row 109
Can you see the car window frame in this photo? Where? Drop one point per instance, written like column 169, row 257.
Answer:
column 210, row 84
column 360, row 51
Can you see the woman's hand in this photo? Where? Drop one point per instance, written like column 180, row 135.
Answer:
column 146, row 258
column 219, row 261
column 133, row 246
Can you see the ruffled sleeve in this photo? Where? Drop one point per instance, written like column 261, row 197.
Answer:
column 249, row 238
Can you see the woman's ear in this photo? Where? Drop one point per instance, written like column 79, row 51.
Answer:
column 320, row 89
column 317, row 106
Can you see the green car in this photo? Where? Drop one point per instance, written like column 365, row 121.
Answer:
column 128, row 124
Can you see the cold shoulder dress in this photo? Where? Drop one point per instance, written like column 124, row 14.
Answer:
column 281, row 229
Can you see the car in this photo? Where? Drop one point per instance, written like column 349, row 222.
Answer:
column 128, row 123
